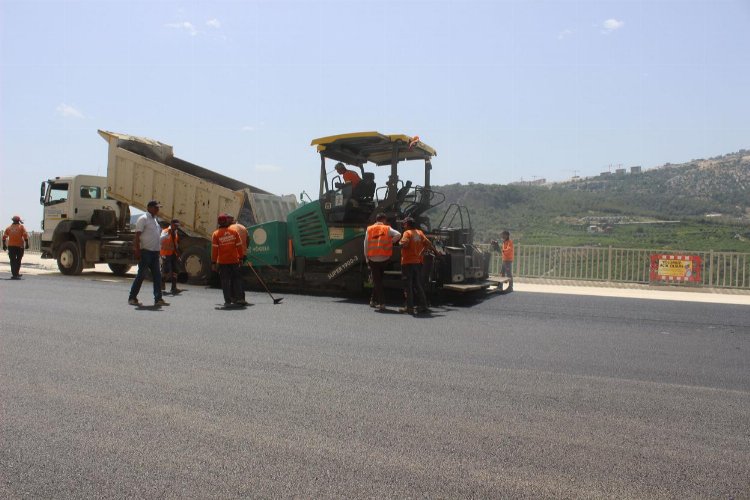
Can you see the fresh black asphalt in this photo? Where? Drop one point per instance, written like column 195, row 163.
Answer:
column 524, row 395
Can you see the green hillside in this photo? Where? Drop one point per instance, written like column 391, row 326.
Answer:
column 699, row 205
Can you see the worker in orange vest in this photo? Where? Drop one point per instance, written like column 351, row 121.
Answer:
column 226, row 250
column 379, row 241
column 349, row 176
column 14, row 237
column 507, row 256
column 244, row 237
column 169, row 251
column 414, row 244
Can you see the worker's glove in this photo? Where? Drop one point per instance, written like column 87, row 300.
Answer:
column 27, row 245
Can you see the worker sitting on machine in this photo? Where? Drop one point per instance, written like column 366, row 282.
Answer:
column 350, row 176
column 349, row 194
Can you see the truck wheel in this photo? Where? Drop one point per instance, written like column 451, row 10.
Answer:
column 69, row 259
column 119, row 269
column 197, row 263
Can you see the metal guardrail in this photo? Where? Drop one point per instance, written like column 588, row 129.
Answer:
column 35, row 242
column 626, row 265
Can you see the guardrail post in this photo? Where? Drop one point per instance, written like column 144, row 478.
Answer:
column 710, row 268
column 516, row 261
column 609, row 264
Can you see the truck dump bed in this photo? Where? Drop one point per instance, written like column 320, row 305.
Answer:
column 141, row 169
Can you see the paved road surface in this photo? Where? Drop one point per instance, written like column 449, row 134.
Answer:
column 526, row 395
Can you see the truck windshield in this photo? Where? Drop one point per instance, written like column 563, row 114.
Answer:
column 57, row 193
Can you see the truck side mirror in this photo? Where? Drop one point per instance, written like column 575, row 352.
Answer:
column 41, row 193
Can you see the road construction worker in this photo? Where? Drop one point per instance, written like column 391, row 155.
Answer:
column 169, row 241
column 414, row 244
column 507, row 256
column 349, row 176
column 379, row 241
column 226, row 251
column 146, row 249
column 244, row 237
column 15, row 239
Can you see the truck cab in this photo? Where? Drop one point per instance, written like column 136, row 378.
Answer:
column 76, row 210
column 72, row 198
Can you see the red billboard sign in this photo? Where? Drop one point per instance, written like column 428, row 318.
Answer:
column 675, row 268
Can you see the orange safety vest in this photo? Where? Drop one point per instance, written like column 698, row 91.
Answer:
column 379, row 242
column 353, row 177
column 508, row 251
column 168, row 242
column 413, row 243
column 15, row 234
column 242, row 231
column 226, row 246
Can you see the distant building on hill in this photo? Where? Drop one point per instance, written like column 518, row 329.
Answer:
column 535, row 182
column 635, row 170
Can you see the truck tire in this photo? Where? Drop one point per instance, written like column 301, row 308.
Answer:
column 197, row 263
column 69, row 259
column 119, row 269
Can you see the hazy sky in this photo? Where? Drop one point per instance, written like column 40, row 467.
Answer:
column 503, row 90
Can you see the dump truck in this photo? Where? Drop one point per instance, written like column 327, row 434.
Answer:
column 87, row 218
column 319, row 247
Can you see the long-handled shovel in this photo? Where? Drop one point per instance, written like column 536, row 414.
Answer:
column 275, row 301
column 272, row 267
